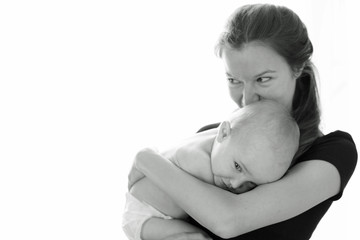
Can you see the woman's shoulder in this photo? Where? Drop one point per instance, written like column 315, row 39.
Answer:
column 337, row 148
column 339, row 135
column 337, row 144
column 334, row 143
column 208, row 127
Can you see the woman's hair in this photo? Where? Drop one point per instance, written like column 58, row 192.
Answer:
column 281, row 29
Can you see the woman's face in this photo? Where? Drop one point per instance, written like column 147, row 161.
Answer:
column 257, row 72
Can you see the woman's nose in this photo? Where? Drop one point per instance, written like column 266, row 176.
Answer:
column 249, row 96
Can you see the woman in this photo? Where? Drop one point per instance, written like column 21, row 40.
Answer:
column 266, row 53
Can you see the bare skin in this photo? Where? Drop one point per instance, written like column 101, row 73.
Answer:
column 197, row 146
column 304, row 186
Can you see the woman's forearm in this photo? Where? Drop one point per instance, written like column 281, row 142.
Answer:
column 207, row 204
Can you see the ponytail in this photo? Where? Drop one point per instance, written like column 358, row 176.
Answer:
column 306, row 111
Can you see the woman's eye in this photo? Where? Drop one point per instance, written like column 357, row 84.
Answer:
column 233, row 81
column 263, row 79
column 237, row 167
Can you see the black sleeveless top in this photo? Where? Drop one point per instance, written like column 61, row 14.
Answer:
column 337, row 148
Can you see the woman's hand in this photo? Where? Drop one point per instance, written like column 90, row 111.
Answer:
column 134, row 174
column 188, row 236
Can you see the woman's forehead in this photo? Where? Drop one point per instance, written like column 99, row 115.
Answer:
column 253, row 59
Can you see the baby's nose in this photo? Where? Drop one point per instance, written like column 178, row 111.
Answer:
column 244, row 187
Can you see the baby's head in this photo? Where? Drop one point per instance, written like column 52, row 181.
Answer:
column 254, row 146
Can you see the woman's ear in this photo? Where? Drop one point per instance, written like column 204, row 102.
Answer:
column 224, row 131
column 298, row 72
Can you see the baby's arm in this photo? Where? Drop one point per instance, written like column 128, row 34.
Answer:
column 157, row 228
column 145, row 191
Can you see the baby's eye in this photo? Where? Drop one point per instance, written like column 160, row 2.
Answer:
column 263, row 79
column 237, row 167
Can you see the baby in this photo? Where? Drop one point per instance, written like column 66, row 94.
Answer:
column 254, row 146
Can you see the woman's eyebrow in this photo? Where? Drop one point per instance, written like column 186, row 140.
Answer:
column 266, row 71
column 257, row 75
column 228, row 74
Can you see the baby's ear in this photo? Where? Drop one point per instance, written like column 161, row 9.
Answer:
column 224, row 131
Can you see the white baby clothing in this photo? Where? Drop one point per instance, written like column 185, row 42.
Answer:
column 136, row 213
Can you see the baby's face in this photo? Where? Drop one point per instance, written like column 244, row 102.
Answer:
column 243, row 163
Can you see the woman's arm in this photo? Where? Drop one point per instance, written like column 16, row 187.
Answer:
column 227, row 214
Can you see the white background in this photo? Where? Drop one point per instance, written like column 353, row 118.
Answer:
column 85, row 84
